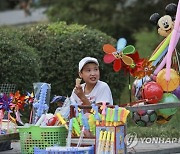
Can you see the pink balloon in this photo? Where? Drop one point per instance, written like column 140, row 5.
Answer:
column 173, row 42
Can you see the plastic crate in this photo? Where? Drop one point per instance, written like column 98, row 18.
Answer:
column 41, row 137
column 65, row 150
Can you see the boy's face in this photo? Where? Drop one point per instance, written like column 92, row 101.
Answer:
column 90, row 73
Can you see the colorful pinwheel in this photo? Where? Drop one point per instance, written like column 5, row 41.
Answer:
column 6, row 103
column 146, row 69
column 29, row 98
column 119, row 55
column 18, row 100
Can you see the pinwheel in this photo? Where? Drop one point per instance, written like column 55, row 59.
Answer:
column 119, row 55
column 147, row 69
column 6, row 103
column 29, row 98
column 18, row 100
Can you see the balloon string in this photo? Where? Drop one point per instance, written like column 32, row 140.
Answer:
column 130, row 99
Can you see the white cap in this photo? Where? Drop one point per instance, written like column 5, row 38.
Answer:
column 87, row 60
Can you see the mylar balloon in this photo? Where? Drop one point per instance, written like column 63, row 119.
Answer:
column 172, row 84
column 153, row 92
column 137, row 86
column 168, row 98
column 177, row 92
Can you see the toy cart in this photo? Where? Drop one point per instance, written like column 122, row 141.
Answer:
column 117, row 132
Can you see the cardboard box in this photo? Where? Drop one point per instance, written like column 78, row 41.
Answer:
column 119, row 146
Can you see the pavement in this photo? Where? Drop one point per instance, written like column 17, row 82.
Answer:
column 140, row 148
column 155, row 148
column 18, row 17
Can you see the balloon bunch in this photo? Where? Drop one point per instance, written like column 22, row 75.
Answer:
column 156, row 78
column 163, row 84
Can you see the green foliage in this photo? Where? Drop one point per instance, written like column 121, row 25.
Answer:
column 147, row 41
column 19, row 63
column 62, row 28
column 170, row 129
column 117, row 18
column 61, row 47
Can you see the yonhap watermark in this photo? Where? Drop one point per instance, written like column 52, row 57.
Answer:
column 162, row 140
column 132, row 139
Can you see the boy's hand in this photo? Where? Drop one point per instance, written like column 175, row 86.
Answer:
column 79, row 91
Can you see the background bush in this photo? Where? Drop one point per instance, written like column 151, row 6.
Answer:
column 60, row 47
column 19, row 62
column 117, row 18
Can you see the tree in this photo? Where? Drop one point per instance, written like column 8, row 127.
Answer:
column 117, row 18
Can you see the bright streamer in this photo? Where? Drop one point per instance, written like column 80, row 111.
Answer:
column 173, row 42
column 160, row 57
column 160, row 66
column 161, row 49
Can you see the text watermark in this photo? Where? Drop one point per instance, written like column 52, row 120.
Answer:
column 131, row 140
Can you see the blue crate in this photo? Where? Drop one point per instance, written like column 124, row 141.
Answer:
column 65, row 150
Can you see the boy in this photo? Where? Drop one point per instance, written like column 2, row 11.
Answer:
column 93, row 90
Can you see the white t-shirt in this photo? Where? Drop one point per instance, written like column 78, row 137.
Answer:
column 100, row 93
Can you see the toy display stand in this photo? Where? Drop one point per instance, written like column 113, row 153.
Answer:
column 119, row 146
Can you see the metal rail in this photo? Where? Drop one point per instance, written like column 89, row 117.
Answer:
column 153, row 106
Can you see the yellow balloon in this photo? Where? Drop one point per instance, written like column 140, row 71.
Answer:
column 172, row 84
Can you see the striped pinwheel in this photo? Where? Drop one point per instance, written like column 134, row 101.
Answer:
column 6, row 103
column 120, row 55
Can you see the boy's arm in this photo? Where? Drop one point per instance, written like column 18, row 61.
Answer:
column 85, row 101
column 79, row 92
